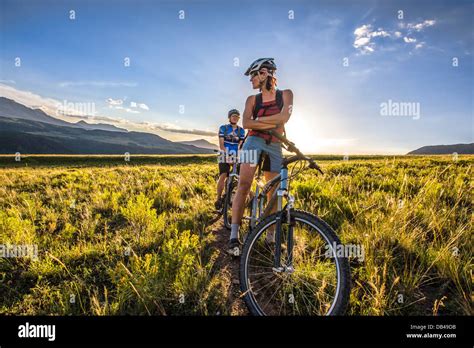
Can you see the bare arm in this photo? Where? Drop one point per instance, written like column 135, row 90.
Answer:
column 247, row 121
column 284, row 115
column 221, row 144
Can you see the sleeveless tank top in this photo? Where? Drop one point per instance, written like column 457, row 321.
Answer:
column 268, row 108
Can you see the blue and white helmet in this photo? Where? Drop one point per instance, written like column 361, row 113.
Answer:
column 233, row 112
column 261, row 63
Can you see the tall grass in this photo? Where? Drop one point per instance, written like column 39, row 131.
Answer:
column 135, row 239
column 126, row 240
column 414, row 220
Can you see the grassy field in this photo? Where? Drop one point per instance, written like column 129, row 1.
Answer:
column 118, row 237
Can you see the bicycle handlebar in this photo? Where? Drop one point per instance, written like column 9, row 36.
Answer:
column 290, row 146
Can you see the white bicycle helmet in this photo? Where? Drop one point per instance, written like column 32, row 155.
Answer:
column 261, row 63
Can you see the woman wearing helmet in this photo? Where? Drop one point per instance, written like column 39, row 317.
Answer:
column 270, row 109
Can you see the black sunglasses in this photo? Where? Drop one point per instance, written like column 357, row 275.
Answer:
column 255, row 73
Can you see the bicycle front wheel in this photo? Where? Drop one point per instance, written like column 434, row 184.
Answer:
column 315, row 279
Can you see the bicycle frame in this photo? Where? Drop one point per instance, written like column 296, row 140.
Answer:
column 282, row 192
column 233, row 174
column 258, row 212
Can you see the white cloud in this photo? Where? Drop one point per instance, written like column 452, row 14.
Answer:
column 117, row 105
column 381, row 33
column 362, row 41
column 114, row 102
column 131, row 111
column 139, row 105
column 362, row 31
column 364, row 35
column 169, row 127
column 422, row 25
column 32, row 100
column 50, row 106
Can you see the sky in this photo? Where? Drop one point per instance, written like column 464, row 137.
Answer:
column 366, row 78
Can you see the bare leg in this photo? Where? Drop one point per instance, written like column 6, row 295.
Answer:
column 247, row 173
column 220, row 184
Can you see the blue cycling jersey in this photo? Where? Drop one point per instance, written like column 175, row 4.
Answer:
column 231, row 137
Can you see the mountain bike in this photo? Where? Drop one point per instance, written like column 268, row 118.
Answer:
column 230, row 188
column 290, row 264
column 229, row 191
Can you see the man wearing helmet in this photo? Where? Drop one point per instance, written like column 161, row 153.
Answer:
column 231, row 137
column 268, row 110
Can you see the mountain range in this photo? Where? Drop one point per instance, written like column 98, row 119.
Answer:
column 202, row 143
column 27, row 130
column 461, row 149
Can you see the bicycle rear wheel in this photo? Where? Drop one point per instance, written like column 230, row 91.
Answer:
column 318, row 283
column 231, row 187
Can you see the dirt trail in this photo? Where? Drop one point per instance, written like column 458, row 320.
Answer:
column 228, row 266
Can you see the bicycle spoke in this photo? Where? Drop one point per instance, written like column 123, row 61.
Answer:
column 269, row 259
column 310, row 288
column 255, row 274
column 258, row 266
column 274, row 293
column 263, row 287
column 264, row 262
column 306, row 300
column 310, row 285
column 321, row 296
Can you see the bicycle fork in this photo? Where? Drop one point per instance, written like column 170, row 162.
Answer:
column 284, row 216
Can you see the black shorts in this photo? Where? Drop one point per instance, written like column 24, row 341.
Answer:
column 224, row 168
